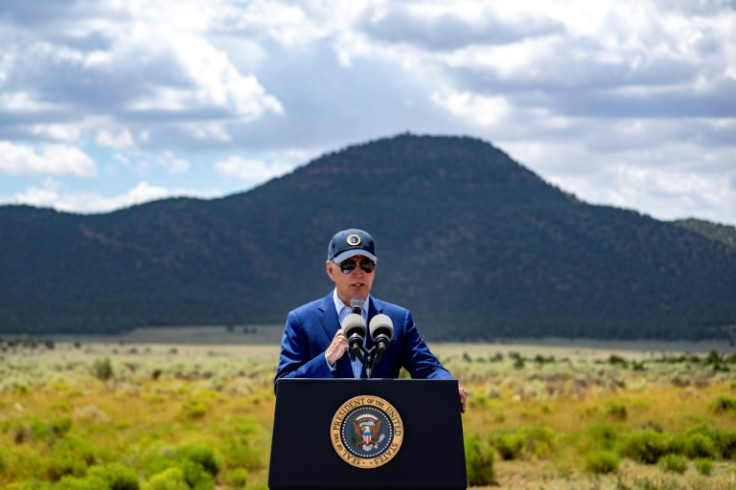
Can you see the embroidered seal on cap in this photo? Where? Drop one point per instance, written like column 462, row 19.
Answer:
column 367, row 432
column 353, row 239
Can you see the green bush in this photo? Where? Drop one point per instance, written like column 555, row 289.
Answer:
column 528, row 441
column 61, row 426
column 202, row 455
column 80, row 448
column 604, row 434
column 704, row 466
column 196, row 476
column 75, row 483
column 700, row 446
column 237, row 478
column 193, row 409
column 648, row 446
column 617, row 412
column 673, row 463
column 724, row 404
column 60, row 466
column 102, row 369
column 169, row 479
column 602, row 462
column 115, row 476
column 243, row 456
column 539, row 441
column 509, row 446
column 478, row 461
column 198, row 465
column 725, row 442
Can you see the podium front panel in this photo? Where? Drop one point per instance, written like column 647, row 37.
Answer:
column 431, row 455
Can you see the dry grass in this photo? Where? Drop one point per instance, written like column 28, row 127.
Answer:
column 168, row 395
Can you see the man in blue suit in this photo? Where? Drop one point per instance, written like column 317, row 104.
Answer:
column 314, row 344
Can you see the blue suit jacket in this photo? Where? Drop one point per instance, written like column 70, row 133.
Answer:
column 311, row 327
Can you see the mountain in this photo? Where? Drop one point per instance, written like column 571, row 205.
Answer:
column 715, row 231
column 476, row 245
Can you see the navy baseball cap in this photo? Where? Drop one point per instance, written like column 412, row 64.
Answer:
column 351, row 242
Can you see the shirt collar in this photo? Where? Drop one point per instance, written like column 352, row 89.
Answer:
column 339, row 305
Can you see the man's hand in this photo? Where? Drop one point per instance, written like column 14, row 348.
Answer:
column 337, row 348
column 463, row 397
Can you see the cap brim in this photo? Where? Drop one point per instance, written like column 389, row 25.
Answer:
column 352, row 253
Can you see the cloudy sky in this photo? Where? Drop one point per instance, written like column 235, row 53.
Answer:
column 107, row 103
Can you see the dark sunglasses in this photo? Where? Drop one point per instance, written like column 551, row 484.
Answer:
column 348, row 265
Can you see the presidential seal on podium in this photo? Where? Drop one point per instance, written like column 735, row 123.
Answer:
column 366, row 432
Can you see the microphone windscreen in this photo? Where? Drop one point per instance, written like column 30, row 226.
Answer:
column 353, row 324
column 356, row 302
column 381, row 324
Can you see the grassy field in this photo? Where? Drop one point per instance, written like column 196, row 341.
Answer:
column 138, row 412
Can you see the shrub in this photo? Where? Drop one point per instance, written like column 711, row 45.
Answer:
column 196, row 476
column 509, row 446
column 603, row 434
column 102, row 369
column 64, row 465
column 242, row 455
column 725, row 442
column 724, row 404
column 674, row 463
column 700, row 446
column 647, row 446
column 115, row 476
column 203, row 456
column 478, row 461
column 61, row 426
column 538, row 441
column 74, row 483
column 193, row 409
column 617, row 411
column 602, row 462
column 237, row 478
column 704, row 466
column 529, row 441
column 169, row 479
column 78, row 447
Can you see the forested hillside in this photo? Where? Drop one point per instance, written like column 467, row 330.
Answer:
column 475, row 244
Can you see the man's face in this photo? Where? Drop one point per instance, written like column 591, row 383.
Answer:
column 357, row 283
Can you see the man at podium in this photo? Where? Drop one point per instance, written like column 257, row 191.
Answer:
column 349, row 333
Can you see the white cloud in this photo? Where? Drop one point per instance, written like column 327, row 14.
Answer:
column 24, row 102
column 54, row 195
column 577, row 90
column 172, row 163
column 52, row 159
column 58, row 132
column 252, row 170
column 120, row 141
column 481, row 110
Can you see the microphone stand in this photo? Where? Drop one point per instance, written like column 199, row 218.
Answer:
column 367, row 358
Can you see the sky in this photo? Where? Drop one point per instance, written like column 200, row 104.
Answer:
column 109, row 103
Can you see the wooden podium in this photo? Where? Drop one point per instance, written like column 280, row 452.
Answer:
column 367, row 434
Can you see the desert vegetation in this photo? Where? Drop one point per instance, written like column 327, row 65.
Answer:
column 81, row 415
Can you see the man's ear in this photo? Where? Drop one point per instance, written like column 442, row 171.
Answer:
column 330, row 269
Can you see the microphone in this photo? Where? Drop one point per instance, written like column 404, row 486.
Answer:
column 354, row 328
column 356, row 303
column 382, row 331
